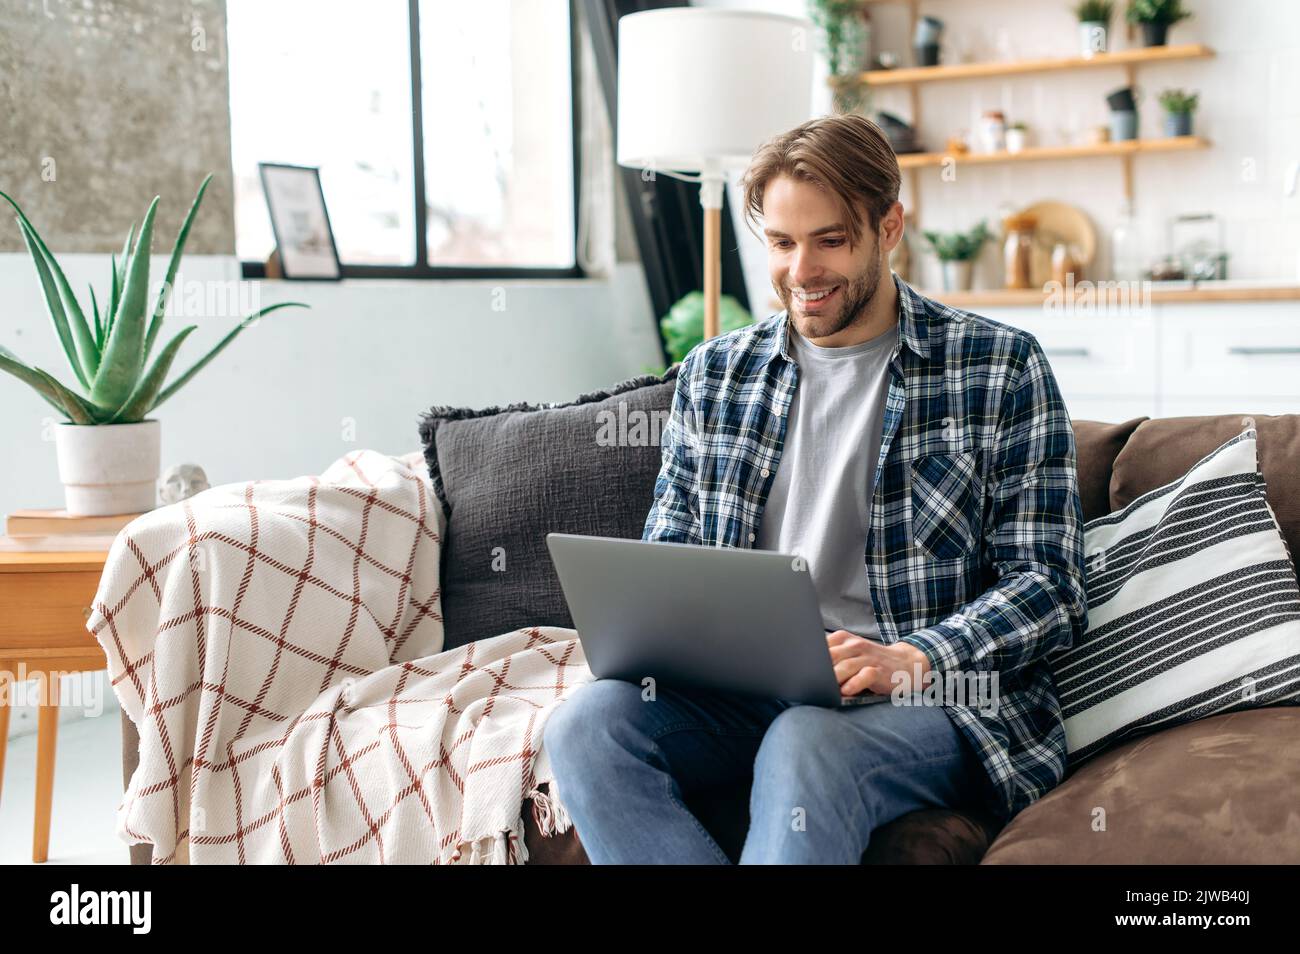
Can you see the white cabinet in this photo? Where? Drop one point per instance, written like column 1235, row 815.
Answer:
column 1172, row 360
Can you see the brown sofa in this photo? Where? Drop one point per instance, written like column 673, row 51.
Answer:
column 1220, row 790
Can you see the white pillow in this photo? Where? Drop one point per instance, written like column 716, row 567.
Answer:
column 1193, row 608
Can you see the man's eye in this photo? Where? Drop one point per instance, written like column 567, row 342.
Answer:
column 781, row 243
column 835, row 243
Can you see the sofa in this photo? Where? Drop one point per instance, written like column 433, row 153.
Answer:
column 1219, row 790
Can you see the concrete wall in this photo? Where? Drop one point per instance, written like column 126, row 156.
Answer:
column 107, row 103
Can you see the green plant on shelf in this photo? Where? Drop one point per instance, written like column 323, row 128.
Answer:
column 835, row 20
column 1178, row 101
column 1094, row 11
column 958, row 246
column 1157, row 11
column 109, row 353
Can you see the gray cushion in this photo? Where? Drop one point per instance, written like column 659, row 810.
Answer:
column 508, row 476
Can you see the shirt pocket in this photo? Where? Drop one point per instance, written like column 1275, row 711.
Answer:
column 947, row 500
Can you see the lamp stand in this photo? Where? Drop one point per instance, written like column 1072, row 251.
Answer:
column 711, row 184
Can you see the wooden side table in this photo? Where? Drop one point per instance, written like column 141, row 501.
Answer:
column 44, row 604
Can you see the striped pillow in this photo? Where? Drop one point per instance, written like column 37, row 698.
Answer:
column 1193, row 608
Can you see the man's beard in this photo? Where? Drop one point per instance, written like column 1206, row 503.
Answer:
column 855, row 297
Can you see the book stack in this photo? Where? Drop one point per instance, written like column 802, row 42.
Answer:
column 55, row 530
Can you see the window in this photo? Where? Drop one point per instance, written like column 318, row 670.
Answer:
column 451, row 156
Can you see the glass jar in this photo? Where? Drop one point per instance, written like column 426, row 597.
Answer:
column 1018, row 250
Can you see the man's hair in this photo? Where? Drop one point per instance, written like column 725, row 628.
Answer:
column 845, row 155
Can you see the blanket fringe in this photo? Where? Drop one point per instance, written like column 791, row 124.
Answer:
column 501, row 848
column 549, row 814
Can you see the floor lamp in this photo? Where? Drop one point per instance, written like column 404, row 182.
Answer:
column 698, row 91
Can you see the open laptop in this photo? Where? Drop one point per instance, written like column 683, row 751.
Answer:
column 709, row 617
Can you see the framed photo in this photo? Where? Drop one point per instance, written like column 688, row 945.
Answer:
column 301, row 224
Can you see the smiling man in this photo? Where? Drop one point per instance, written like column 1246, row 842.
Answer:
column 922, row 461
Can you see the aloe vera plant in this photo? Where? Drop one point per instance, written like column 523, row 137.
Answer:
column 109, row 353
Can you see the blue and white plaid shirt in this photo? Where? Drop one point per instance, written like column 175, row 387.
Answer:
column 975, row 546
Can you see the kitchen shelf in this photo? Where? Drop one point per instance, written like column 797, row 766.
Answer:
column 1033, row 297
column 1127, row 147
column 1161, row 293
column 908, row 76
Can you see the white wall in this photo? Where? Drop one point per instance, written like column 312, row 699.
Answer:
column 278, row 400
column 1249, row 108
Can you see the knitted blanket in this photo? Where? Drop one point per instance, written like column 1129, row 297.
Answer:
column 278, row 644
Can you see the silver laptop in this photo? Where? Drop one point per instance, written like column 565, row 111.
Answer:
column 708, row 617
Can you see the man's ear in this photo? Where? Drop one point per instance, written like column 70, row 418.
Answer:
column 891, row 228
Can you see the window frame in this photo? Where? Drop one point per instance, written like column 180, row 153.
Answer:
column 421, row 269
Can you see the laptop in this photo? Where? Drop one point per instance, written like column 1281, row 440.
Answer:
column 708, row 617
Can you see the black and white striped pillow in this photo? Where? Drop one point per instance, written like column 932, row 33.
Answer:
column 1193, row 608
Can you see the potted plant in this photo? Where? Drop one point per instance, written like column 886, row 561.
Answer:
column 108, row 449
column 1017, row 136
column 846, row 41
column 1094, row 25
column 1179, row 106
column 1156, row 17
column 956, row 251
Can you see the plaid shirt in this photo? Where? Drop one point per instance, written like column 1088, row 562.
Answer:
column 975, row 547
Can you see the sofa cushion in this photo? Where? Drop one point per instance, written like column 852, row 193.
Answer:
column 1097, row 444
column 1218, row 791
column 1193, row 608
column 1162, row 449
column 507, row 476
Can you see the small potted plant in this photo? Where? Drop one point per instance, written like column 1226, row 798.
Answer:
column 1094, row 25
column 846, row 41
column 956, row 252
column 108, row 448
column 1179, row 106
column 1156, row 17
column 1017, row 136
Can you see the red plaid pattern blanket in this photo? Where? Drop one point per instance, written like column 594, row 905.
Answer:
column 278, row 645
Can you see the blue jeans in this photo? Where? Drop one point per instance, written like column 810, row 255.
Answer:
column 823, row 779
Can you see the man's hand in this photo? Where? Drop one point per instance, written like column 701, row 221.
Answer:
column 863, row 664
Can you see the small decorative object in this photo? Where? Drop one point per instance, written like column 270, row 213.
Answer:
column 182, row 482
column 1179, row 106
column 1099, row 134
column 108, row 451
column 956, row 146
column 956, row 251
column 1126, row 246
column 887, row 60
column 1094, row 23
column 1156, row 17
column 993, row 130
column 1017, row 137
column 1018, row 250
column 925, row 42
column 304, row 241
column 1123, row 114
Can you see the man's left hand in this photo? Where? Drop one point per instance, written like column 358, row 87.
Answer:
column 865, row 665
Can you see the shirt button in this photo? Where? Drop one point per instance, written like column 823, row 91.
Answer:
column 751, row 538
column 765, row 472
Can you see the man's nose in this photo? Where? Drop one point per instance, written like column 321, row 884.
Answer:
column 803, row 268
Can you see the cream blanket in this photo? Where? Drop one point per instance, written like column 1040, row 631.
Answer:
column 278, row 645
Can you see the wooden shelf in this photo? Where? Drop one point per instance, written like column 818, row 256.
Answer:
column 907, row 76
column 1035, row 298
column 1127, row 147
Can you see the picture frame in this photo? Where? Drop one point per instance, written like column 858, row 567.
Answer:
column 304, row 239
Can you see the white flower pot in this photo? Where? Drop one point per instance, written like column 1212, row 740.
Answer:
column 109, row 468
column 1092, row 39
column 957, row 275
column 1017, row 139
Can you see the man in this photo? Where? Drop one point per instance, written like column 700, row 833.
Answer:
column 922, row 461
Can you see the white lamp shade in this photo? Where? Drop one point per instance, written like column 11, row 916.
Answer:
column 700, row 90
